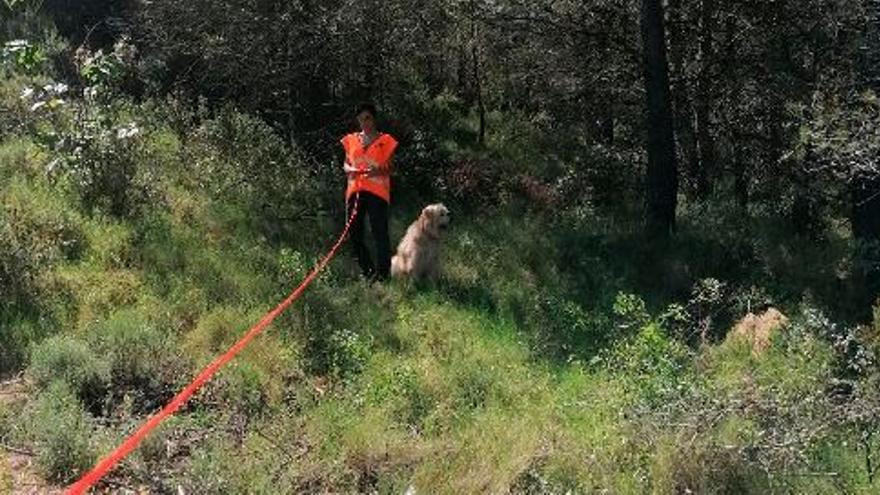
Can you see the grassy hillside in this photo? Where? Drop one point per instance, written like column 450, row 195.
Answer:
column 560, row 352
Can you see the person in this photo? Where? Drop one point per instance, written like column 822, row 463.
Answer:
column 368, row 165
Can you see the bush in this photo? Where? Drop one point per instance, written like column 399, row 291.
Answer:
column 145, row 364
column 74, row 362
column 23, row 56
column 16, row 117
column 94, row 143
column 97, row 151
column 240, row 160
column 341, row 353
column 37, row 230
column 704, row 465
column 242, row 388
column 18, row 333
column 654, row 366
column 400, row 387
column 63, row 433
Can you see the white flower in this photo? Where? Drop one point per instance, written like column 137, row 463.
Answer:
column 16, row 45
column 128, row 131
column 26, row 93
column 60, row 88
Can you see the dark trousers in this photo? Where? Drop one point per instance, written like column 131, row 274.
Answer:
column 374, row 207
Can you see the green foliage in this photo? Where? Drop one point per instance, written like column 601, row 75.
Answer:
column 401, row 388
column 105, row 71
column 23, row 56
column 630, row 308
column 37, row 230
column 341, row 353
column 146, row 367
column 63, row 433
column 240, row 159
column 838, row 136
column 653, row 366
column 18, row 333
column 72, row 361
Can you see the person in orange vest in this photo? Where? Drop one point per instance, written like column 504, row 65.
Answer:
column 368, row 165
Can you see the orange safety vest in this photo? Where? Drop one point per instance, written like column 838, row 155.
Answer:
column 378, row 154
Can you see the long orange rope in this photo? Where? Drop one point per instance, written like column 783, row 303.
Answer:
column 107, row 463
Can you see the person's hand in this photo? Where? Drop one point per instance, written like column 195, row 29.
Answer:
column 348, row 168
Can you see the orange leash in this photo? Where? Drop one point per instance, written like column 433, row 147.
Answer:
column 108, row 462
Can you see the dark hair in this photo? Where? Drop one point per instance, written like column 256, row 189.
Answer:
column 365, row 107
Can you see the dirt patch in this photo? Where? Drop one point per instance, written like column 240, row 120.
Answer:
column 18, row 470
column 18, row 476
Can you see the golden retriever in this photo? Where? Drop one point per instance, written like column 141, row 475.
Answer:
column 418, row 254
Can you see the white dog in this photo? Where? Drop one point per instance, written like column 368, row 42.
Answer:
column 418, row 254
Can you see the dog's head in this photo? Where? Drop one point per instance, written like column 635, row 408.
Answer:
column 435, row 219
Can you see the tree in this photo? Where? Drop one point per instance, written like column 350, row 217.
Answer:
column 865, row 216
column 662, row 173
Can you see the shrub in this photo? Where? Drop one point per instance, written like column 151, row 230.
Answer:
column 346, row 352
column 37, row 229
column 23, row 56
column 99, row 155
column 566, row 330
column 18, row 333
column 654, row 366
column 145, row 364
column 400, row 387
column 72, row 361
column 240, row 160
column 703, row 465
column 16, row 117
column 63, row 433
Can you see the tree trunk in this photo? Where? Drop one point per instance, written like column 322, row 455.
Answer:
column 866, row 207
column 291, row 88
column 478, row 86
column 662, row 174
column 606, row 123
column 865, row 192
column 478, row 89
column 740, row 176
column 866, row 184
column 461, row 73
column 682, row 107
column 705, row 142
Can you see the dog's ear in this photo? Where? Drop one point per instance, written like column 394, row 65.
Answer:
column 424, row 220
column 429, row 220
